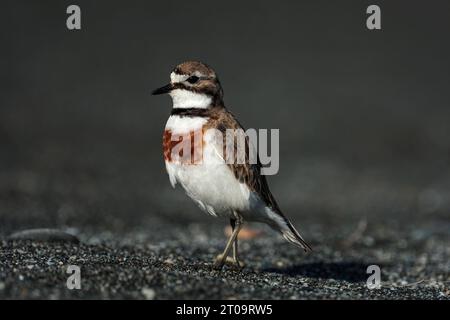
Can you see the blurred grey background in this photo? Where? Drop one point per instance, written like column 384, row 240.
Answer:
column 363, row 115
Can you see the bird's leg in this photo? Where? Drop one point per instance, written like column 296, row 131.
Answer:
column 220, row 260
column 235, row 260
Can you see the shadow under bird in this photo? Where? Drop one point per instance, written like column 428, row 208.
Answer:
column 235, row 190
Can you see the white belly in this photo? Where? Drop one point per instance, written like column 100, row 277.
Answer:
column 214, row 189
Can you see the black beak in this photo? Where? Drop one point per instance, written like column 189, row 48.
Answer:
column 166, row 89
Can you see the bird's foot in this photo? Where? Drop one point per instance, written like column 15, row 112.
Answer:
column 219, row 262
column 237, row 264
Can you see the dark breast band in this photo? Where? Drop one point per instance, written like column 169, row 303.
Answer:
column 191, row 112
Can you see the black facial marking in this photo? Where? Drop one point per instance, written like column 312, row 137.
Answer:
column 192, row 79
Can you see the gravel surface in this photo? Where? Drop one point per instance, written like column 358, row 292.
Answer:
column 413, row 262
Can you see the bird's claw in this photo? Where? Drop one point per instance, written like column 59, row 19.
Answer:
column 219, row 262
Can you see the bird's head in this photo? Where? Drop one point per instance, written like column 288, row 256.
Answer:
column 193, row 84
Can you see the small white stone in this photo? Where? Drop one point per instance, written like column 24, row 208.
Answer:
column 148, row 293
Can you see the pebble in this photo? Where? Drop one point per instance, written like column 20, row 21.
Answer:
column 44, row 235
column 148, row 293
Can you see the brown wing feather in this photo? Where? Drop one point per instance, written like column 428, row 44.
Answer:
column 250, row 174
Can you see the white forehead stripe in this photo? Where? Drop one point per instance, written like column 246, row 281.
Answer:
column 174, row 78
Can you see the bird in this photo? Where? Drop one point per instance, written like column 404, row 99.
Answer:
column 233, row 190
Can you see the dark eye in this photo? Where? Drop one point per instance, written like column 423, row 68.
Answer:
column 192, row 79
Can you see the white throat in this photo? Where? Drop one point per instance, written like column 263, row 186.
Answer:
column 187, row 99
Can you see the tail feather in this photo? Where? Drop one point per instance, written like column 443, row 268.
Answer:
column 292, row 235
column 279, row 222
